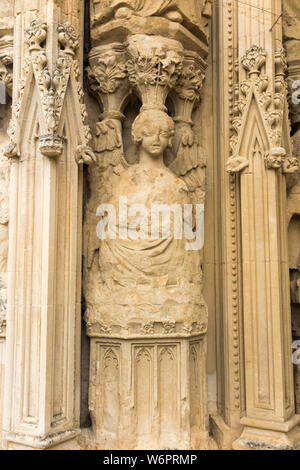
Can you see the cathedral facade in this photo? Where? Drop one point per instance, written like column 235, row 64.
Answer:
column 149, row 224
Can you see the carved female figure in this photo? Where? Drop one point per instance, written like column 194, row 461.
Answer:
column 174, row 10
column 147, row 272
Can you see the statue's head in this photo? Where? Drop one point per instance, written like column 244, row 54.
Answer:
column 153, row 130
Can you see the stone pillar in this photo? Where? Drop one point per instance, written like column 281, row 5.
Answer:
column 6, row 80
column 225, row 424
column 48, row 142
column 291, row 30
column 260, row 151
column 148, row 355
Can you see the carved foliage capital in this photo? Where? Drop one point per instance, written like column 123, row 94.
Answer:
column 156, row 69
column 106, row 75
column 190, row 82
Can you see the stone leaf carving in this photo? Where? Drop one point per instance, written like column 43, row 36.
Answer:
column 254, row 59
column 52, row 88
column 169, row 326
column 107, row 75
column 271, row 106
column 154, row 67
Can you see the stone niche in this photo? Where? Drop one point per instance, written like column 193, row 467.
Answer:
column 145, row 312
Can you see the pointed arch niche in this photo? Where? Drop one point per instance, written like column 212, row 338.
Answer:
column 266, row 310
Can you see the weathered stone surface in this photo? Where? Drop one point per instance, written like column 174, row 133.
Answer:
column 180, row 348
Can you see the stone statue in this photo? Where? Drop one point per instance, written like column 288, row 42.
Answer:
column 143, row 239
column 173, row 10
column 144, row 276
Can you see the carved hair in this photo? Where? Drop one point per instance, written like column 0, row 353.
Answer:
column 147, row 119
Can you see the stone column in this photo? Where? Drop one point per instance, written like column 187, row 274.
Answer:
column 225, row 221
column 261, row 153
column 6, row 80
column 148, row 350
column 48, row 142
column 291, row 29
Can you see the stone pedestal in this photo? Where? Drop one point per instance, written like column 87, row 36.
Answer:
column 149, row 393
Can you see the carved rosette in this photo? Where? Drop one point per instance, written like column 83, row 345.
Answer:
column 271, row 105
column 157, row 329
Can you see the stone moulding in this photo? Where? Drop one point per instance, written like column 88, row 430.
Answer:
column 120, row 30
column 42, row 444
column 151, row 329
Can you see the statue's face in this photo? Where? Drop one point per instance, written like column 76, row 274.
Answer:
column 275, row 161
column 155, row 139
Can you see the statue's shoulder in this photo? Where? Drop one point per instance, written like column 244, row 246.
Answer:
column 180, row 183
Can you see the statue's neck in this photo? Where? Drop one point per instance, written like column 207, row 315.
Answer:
column 147, row 161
